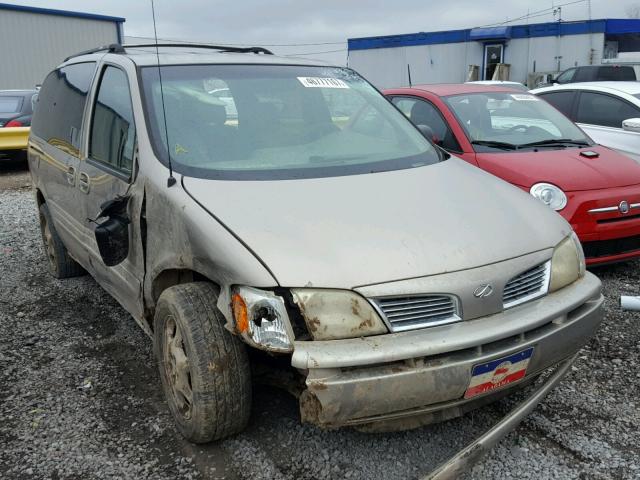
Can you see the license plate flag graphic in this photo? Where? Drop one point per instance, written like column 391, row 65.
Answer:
column 498, row 373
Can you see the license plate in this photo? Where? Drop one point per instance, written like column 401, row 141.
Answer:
column 498, row 373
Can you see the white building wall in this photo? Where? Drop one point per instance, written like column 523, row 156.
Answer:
column 574, row 50
column 387, row 67
column 32, row 44
column 449, row 63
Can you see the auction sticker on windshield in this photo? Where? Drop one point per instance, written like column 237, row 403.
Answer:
column 523, row 97
column 319, row 82
column 498, row 373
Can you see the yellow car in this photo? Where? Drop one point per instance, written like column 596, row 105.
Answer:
column 16, row 109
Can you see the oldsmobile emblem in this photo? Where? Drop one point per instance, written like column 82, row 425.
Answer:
column 483, row 291
column 624, row 207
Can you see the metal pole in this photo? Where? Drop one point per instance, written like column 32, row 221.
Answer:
column 630, row 303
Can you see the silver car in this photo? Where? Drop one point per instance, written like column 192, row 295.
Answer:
column 609, row 112
column 318, row 238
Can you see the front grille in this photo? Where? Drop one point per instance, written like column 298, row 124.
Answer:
column 618, row 219
column 528, row 285
column 604, row 248
column 408, row 313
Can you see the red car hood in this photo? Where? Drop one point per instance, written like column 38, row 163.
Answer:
column 565, row 168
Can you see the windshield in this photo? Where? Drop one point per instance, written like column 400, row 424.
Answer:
column 260, row 122
column 10, row 104
column 502, row 121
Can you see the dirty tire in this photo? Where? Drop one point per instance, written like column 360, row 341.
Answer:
column 188, row 323
column 61, row 265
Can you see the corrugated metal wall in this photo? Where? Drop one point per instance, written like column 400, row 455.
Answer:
column 32, row 44
column 449, row 62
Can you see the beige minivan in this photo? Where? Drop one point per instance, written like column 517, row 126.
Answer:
column 315, row 232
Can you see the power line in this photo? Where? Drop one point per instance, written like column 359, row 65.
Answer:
column 314, row 53
column 538, row 13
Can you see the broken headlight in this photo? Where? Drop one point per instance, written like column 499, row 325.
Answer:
column 333, row 314
column 567, row 263
column 261, row 318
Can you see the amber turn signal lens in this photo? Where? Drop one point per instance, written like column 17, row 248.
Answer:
column 240, row 313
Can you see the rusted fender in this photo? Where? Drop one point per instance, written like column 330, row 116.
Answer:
column 468, row 456
column 14, row 138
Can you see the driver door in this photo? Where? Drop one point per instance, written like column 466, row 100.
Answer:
column 107, row 174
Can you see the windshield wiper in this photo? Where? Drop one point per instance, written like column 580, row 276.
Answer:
column 555, row 141
column 495, row 144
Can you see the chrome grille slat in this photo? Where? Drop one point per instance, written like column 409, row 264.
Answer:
column 527, row 287
column 534, row 272
column 415, row 306
column 416, row 317
column 434, row 311
column 407, row 313
column 393, row 303
column 530, row 284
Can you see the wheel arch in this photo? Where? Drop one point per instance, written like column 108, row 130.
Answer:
column 39, row 197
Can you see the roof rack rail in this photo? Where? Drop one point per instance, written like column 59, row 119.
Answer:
column 111, row 48
column 118, row 48
column 222, row 48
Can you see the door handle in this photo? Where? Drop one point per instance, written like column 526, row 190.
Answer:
column 83, row 182
column 71, row 175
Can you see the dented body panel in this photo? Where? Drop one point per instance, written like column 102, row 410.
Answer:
column 410, row 373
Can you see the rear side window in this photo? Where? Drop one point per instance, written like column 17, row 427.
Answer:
column 563, row 101
column 616, row 74
column 113, row 131
column 60, row 105
column 10, row 104
column 599, row 109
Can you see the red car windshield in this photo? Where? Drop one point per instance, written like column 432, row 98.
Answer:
column 513, row 120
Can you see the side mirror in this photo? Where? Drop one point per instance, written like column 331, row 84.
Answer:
column 631, row 125
column 427, row 132
column 112, row 234
column 112, row 237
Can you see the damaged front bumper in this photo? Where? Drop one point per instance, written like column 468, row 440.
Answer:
column 418, row 377
column 455, row 466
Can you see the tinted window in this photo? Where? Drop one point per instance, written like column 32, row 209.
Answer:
column 585, row 74
column 566, row 76
column 421, row 112
column 10, row 104
column 113, row 131
column 605, row 110
column 563, row 101
column 616, row 73
column 60, row 105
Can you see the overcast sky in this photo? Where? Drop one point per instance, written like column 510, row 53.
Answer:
column 327, row 23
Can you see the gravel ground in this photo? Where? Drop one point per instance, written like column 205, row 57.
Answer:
column 80, row 397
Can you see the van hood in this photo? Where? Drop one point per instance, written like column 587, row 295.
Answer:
column 343, row 232
column 563, row 167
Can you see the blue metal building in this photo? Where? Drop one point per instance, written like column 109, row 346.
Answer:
column 446, row 56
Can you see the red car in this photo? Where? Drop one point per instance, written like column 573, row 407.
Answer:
column 527, row 142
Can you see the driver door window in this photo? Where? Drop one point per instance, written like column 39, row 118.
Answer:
column 605, row 110
column 113, row 130
column 422, row 112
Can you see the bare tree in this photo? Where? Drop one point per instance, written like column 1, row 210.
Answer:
column 633, row 11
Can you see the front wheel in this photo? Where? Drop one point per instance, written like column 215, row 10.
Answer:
column 204, row 369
